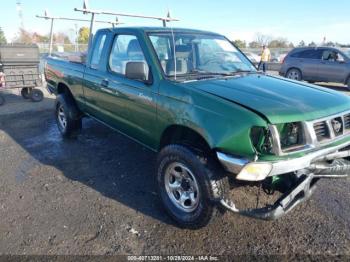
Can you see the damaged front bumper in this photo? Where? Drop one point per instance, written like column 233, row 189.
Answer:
column 236, row 164
column 324, row 163
column 282, row 206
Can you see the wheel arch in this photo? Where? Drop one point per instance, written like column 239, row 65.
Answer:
column 184, row 135
column 296, row 68
column 63, row 89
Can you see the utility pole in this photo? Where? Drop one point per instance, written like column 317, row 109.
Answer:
column 20, row 13
column 76, row 37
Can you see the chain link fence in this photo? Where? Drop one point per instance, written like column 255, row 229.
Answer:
column 62, row 48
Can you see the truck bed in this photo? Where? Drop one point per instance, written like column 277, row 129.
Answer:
column 63, row 70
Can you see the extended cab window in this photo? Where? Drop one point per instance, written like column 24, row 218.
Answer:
column 126, row 48
column 96, row 55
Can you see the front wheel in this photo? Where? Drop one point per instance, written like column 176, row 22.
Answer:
column 294, row 74
column 68, row 121
column 188, row 186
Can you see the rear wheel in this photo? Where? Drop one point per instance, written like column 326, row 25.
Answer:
column 294, row 74
column 67, row 118
column 189, row 185
column 25, row 92
column 36, row 95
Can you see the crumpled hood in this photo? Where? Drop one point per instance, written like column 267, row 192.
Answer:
column 279, row 100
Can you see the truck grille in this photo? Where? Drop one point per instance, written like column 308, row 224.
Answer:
column 347, row 121
column 332, row 127
column 321, row 130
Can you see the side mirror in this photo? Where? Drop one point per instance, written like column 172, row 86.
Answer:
column 137, row 71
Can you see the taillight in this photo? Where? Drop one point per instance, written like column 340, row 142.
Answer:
column 284, row 59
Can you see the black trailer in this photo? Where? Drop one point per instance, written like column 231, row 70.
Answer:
column 19, row 68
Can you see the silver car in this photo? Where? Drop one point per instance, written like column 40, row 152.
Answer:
column 317, row 64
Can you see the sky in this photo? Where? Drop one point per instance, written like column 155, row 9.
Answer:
column 294, row 20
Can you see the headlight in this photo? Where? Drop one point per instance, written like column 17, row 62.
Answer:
column 261, row 139
column 255, row 171
column 291, row 135
column 278, row 139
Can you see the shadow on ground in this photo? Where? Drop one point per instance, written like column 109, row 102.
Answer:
column 100, row 158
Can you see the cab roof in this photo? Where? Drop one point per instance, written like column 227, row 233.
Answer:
column 163, row 30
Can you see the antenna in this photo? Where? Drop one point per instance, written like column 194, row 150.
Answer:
column 20, row 13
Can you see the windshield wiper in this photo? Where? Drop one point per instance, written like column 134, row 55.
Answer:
column 202, row 72
column 241, row 71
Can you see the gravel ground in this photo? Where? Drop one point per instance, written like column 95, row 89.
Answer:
column 96, row 196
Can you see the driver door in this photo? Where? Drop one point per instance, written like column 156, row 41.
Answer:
column 130, row 104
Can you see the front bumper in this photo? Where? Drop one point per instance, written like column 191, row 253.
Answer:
column 324, row 163
column 235, row 164
column 283, row 205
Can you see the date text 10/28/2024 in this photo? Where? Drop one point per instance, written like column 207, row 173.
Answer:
column 172, row 258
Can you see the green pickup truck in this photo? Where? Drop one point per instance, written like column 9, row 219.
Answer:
column 217, row 123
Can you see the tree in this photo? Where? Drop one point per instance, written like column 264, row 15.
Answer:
column 278, row 43
column 240, row 43
column 254, row 44
column 2, row 37
column 61, row 38
column 262, row 39
column 84, row 33
column 302, row 43
column 330, row 44
column 37, row 38
column 312, row 44
column 24, row 37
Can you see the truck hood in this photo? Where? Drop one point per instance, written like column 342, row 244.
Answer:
column 279, row 100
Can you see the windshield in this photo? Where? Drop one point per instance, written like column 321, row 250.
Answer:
column 186, row 55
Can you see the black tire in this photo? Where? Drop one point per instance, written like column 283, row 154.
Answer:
column 36, row 95
column 25, row 92
column 294, row 74
column 70, row 126
column 348, row 84
column 211, row 183
column 2, row 100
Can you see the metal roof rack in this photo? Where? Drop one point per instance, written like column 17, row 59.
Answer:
column 87, row 10
column 46, row 16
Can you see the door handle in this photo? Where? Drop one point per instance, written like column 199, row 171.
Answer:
column 104, row 83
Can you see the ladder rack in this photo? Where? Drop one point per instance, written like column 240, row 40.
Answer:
column 87, row 10
column 53, row 18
